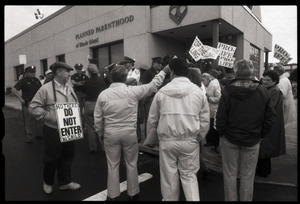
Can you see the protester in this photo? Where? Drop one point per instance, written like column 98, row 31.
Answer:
column 213, row 94
column 141, row 125
column 289, row 107
column 294, row 81
column 229, row 76
column 115, row 120
column 57, row 156
column 273, row 144
column 42, row 79
column 179, row 119
column 29, row 85
column 49, row 76
column 92, row 88
column 107, row 74
column 195, row 77
column 245, row 115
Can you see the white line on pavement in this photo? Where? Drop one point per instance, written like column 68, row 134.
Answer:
column 123, row 187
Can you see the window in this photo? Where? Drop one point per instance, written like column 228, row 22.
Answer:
column 19, row 70
column 44, row 66
column 105, row 55
column 60, row 58
column 255, row 59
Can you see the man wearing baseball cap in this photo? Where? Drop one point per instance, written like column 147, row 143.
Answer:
column 29, row 85
column 57, row 156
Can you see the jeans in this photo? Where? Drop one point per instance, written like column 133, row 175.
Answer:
column 238, row 159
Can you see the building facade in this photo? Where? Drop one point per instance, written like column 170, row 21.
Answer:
column 75, row 34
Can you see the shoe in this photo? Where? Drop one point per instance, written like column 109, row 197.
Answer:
column 110, row 199
column 134, row 198
column 29, row 140
column 207, row 145
column 47, row 188
column 93, row 151
column 262, row 175
column 71, row 186
column 205, row 174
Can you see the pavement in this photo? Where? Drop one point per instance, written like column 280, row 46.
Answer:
column 284, row 167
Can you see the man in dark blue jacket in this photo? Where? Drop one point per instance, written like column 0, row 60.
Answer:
column 245, row 114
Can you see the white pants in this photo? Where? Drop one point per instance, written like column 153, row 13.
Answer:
column 113, row 144
column 179, row 159
column 238, row 159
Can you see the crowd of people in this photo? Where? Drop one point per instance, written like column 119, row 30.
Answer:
column 175, row 105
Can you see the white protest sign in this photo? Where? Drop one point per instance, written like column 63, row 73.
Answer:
column 281, row 54
column 197, row 50
column 211, row 52
column 22, row 59
column 226, row 53
column 68, row 121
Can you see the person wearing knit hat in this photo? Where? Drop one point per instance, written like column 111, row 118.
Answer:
column 91, row 89
column 92, row 68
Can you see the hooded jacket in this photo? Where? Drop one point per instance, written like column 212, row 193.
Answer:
column 245, row 113
column 179, row 112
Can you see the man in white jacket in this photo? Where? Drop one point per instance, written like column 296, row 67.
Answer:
column 115, row 122
column 285, row 87
column 179, row 118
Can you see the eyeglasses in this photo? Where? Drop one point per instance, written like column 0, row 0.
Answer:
column 33, row 72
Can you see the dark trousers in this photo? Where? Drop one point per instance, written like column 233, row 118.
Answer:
column 80, row 96
column 212, row 136
column 263, row 167
column 57, row 156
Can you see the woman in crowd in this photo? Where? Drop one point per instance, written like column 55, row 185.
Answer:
column 213, row 94
column 273, row 144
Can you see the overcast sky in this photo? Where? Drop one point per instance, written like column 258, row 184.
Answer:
column 281, row 21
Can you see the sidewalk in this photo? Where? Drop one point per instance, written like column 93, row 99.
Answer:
column 284, row 168
column 13, row 102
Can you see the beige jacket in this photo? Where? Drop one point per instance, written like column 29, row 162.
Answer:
column 42, row 104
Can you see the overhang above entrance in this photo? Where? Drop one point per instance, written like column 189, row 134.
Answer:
column 203, row 30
